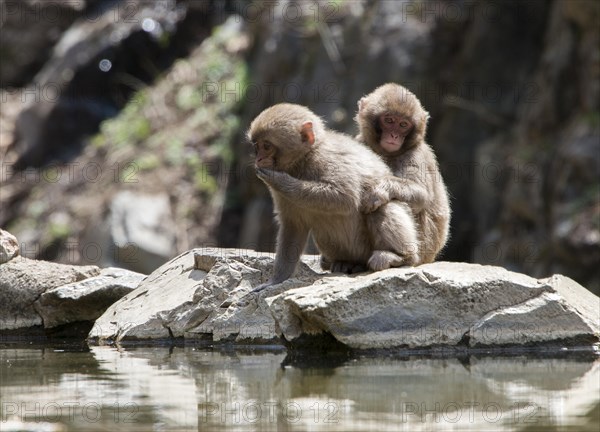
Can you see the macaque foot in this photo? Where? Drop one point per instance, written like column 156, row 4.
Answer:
column 325, row 263
column 347, row 267
column 381, row 260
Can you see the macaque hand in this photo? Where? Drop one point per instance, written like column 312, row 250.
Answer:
column 373, row 200
column 277, row 179
column 243, row 300
column 261, row 287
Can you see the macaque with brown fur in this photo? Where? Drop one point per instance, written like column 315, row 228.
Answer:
column 316, row 178
column 392, row 122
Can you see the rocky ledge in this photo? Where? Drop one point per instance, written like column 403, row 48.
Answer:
column 40, row 295
column 205, row 295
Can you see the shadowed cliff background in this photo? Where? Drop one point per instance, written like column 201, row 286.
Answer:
column 122, row 122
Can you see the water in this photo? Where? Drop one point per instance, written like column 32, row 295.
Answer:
column 76, row 388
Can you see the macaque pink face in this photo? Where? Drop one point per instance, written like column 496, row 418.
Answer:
column 394, row 129
column 265, row 154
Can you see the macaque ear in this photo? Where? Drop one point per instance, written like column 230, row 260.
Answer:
column 307, row 133
column 362, row 104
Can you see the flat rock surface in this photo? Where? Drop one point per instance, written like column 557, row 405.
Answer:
column 199, row 294
column 440, row 304
column 204, row 294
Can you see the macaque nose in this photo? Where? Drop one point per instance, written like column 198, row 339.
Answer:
column 395, row 135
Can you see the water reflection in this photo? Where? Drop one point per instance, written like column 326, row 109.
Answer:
column 188, row 389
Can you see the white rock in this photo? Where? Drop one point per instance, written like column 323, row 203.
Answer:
column 184, row 298
column 9, row 246
column 443, row 303
column 23, row 281
column 85, row 300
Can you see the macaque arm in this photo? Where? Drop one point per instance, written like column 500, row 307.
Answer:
column 383, row 190
column 410, row 192
column 311, row 195
column 291, row 241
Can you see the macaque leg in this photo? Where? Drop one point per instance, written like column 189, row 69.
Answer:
column 325, row 263
column 291, row 241
column 394, row 237
column 381, row 260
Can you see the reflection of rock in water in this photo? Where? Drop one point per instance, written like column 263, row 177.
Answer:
column 378, row 391
column 323, row 352
column 190, row 389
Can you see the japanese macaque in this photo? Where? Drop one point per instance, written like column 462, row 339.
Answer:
column 392, row 122
column 316, row 178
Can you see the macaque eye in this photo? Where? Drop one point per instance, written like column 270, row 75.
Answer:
column 267, row 145
column 404, row 124
column 388, row 120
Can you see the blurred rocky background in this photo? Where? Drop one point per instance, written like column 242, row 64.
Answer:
column 122, row 122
